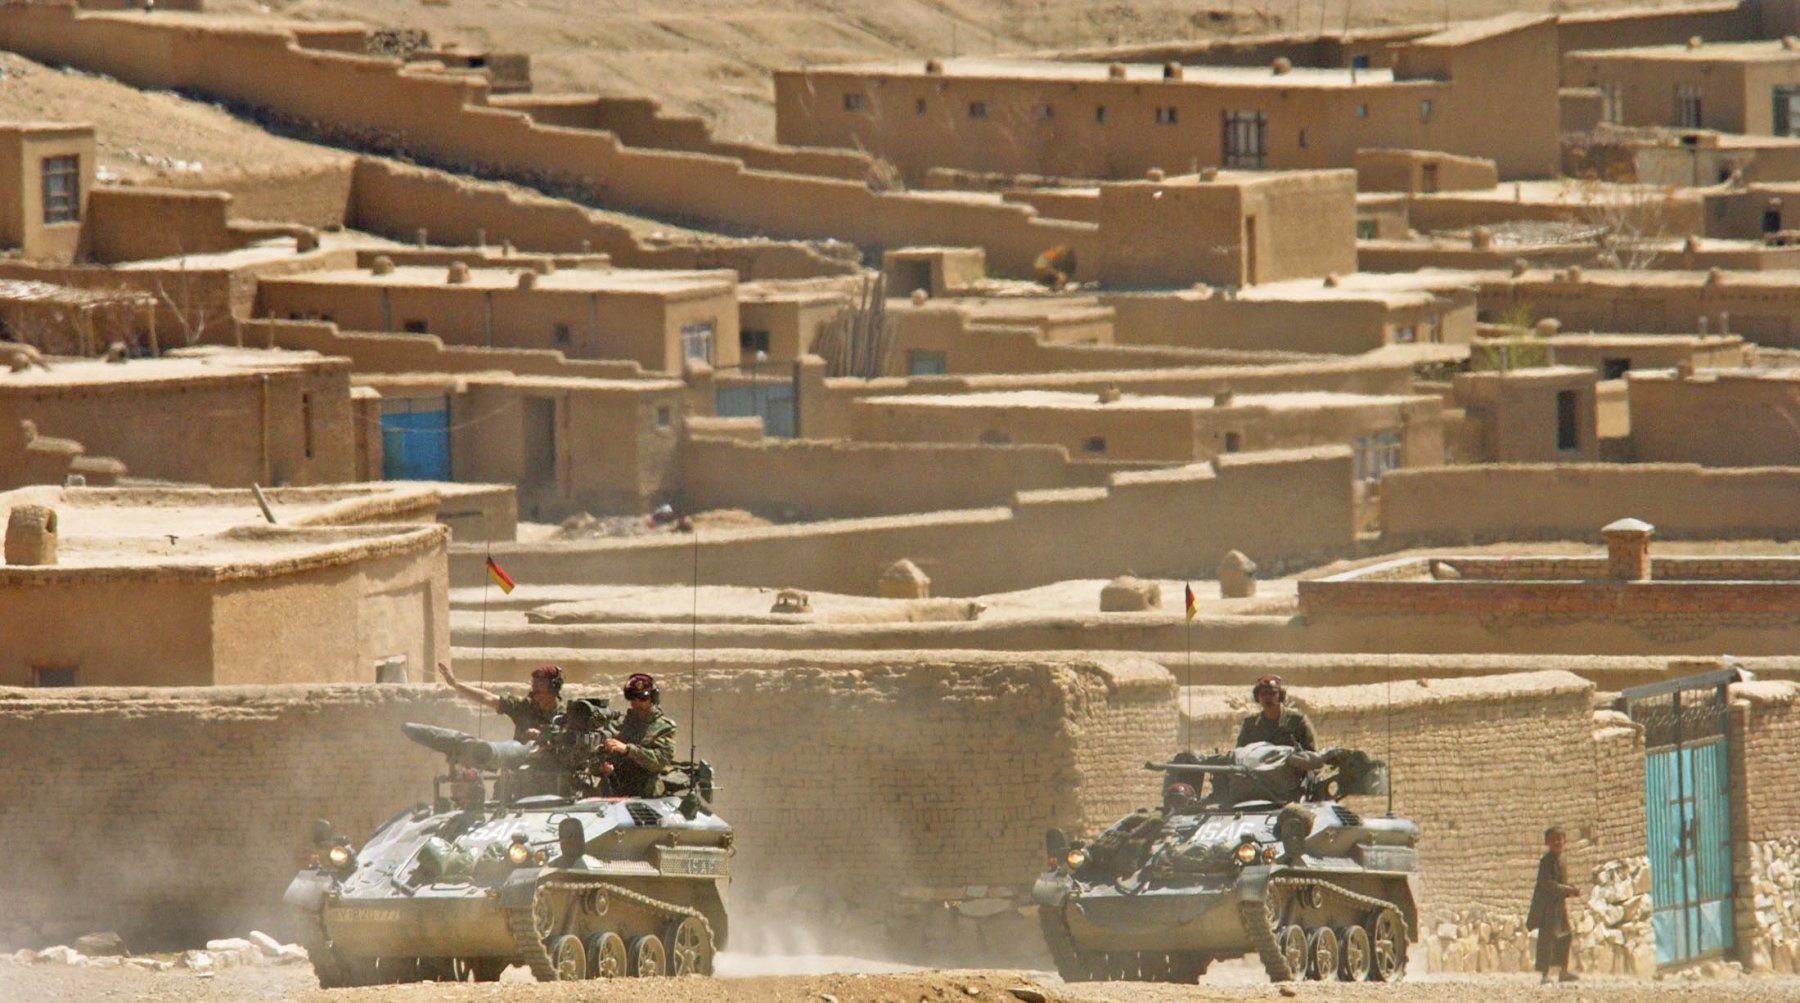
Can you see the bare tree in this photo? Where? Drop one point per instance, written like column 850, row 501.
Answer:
column 1633, row 221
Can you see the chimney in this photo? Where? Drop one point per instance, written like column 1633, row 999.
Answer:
column 1628, row 549
column 31, row 535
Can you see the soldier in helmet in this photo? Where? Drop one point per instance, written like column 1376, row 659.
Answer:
column 1275, row 723
column 643, row 747
column 530, row 715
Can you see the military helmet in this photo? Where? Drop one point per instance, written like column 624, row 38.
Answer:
column 642, row 684
column 1180, row 795
column 1270, row 684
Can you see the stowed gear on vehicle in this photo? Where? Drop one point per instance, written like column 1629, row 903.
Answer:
column 1268, row 862
column 570, row 885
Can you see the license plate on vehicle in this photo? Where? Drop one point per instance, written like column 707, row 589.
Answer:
column 690, row 862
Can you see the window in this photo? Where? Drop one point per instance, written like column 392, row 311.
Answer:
column 1614, row 369
column 697, row 342
column 1362, row 111
column 62, row 189
column 978, row 109
column 1687, row 108
column 1100, row 114
column 664, row 415
column 1166, row 115
column 1045, row 112
column 1365, row 229
column 919, row 106
column 1786, row 101
column 1611, row 108
column 854, row 102
column 1405, row 335
column 1374, row 455
column 1246, row 139
column 1234, row 441
column 560, row 334
column 995, row 437
column 1425, row 110
column 306, row 423
column 415, row 327
column 1094, row 444
column 922, row 363
column 751, row 340
column 1303, row 139
column 53, row 675
column 1567, row 430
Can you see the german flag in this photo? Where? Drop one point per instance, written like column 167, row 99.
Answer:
column 1192, row 606
column 504, row 580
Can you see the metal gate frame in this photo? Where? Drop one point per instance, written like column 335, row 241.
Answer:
column 1687, row 808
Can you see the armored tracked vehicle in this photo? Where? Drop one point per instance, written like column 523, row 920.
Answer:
column 1268, row 862
column 548, row 873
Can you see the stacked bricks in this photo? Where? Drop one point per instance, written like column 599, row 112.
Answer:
column 1765, row 745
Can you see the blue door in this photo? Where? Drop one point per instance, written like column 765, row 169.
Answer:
column 772, row 402
column 415, row 440
column 1687, row 806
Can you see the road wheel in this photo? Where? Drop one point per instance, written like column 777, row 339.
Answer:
column 690, row 947
column 1324, row 944
column 1186, row 967
column 606, row 956
column 569, row 957
column 647, row 959
column 1291, row 941
column 1387, row 944
column 1353, row 944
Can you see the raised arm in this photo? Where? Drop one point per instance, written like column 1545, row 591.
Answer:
column 467, row 692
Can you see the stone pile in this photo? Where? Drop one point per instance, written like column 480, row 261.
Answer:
column 1612, row 932
column 1611, row 926
column 1774, row 879
column 233, row 952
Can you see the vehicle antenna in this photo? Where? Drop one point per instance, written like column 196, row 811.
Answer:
column 487, row 582
column 694, row 659
column 1390, row 739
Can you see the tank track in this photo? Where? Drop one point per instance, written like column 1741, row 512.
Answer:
column 534, row 954
column 1259, row 926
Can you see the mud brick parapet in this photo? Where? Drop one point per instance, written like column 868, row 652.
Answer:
column 887, row 803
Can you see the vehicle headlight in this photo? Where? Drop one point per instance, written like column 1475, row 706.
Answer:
column 340, row 856
column 518, row 854
column 1075, row 859
column 1246, row 853
column 541, row 857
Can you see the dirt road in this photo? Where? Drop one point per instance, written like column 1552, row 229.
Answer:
column 31, row 983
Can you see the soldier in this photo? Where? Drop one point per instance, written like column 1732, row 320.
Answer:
column 530, row 715
column 1549, row 915
column 643, row 747
column 1125, row 846
column 1276, row 724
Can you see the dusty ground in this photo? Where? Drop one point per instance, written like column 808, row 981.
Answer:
column 24, row 984
column 712, row 57
column 147, row 136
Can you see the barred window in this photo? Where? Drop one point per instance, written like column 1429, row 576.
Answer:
column 62, row 189
column 1246, row 139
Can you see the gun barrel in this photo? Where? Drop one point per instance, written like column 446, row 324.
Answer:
column 1194, row 768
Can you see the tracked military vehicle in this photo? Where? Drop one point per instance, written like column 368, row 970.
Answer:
column 547, row 872
column 1268, row 862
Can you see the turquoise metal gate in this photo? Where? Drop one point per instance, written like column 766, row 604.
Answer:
column 1687, row 804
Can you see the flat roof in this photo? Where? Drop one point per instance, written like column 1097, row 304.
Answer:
column 1759, row 51
column 1061, row 400
column 1785, row 279
column 579, row 280
column 211, row 533
column 185, row 364
column 1056, row 71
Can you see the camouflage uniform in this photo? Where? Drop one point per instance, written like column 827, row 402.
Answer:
column 1291, row 729
column 650, row 749
column 1124, row 847
column 526, row 715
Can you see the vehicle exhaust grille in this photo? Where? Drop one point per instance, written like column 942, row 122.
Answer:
column 643, row 814
column 1346, row 816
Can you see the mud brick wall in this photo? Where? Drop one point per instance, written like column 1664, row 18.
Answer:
column 893, row 804
column 1618, row 787
column 1765, row 754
